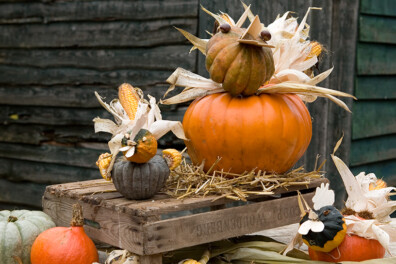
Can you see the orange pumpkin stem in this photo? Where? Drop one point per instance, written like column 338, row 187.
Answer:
column 77, row 219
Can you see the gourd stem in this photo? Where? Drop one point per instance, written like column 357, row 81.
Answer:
column 12, row 219
column 77, row 219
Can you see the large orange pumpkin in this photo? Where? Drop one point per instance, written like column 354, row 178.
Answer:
column 241, row 68
column 353, row 248
column 267, row 132
column 65, row 245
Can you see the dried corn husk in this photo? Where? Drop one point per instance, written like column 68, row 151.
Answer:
column 198, row 86
column 252, row 249
column 292, row 58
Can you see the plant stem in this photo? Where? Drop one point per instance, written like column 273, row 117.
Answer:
column 77, row 219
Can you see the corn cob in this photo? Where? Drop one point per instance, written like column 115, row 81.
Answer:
column 316, row 49
column 379, row 184
column 172, row 157
column 103, row 163
column 129, row 99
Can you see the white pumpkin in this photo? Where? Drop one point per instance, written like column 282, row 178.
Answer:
column 18, row 230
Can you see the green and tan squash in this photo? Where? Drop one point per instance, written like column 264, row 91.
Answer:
column 18, row 230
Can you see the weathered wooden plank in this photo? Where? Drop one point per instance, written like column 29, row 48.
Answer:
column 384, row 170
column 373, row 150
column 115, row 228
column 375, row 87
column 58, row 95
column 376, row 59
column 63, row 116
column 66, row 155
column 375, row 7
column 50, row 115
column 96, row 34
column 157, row 58
column 36, row 134
column 45, row 173
column 319, row 109
column 72, row 96
column 14, row 206
column 15, row 75
column 221, row 224
column 373, row 118
column 56, row 11
column 24, row 193
column 343, row 50
column 377, row 29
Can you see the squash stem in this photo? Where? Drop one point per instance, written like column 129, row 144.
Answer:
column 77, row 219
column 12, row 219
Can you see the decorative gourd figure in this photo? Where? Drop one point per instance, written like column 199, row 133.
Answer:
column 140, row 173
column 235, row 58
column 251, row 113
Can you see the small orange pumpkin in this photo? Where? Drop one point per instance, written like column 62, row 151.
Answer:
column 65, row 245
column 241, row 68
column 268, row 132
column 353, row 248
column 145, row 146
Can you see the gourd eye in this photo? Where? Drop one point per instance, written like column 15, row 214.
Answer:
column 325, row 213
column 225, row 28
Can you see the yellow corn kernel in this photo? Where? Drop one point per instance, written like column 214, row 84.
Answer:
column 379, row 184
column 173, row 157
column 103, row 163
column 129, row 99
column 316, row 49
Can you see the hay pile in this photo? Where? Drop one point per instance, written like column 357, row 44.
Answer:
column 189, row 180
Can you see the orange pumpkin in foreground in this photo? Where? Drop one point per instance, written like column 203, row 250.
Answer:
column 353, row 248
column 266, row 132
column 65, row 245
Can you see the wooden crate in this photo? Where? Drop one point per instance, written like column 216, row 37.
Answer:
column 151, row 227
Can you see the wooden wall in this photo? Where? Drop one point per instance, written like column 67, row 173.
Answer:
column 53, row 56
column 55, row 53
column 374, row 119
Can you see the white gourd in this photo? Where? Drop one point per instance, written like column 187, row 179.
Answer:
column 18, row 230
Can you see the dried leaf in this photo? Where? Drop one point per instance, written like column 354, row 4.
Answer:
column 161, row 127
column 247, row 13
column 356, row 199
column 218, row 18
column 338, row 144
column 198, row 43
column 323, row 196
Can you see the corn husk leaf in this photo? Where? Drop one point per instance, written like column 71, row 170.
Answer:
column 161, row 127
column 356, row 199
column 122, row 257
column 218, row 18
column 323, row 196
column 198, row 86
column 198, row 43
column 246, row 14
